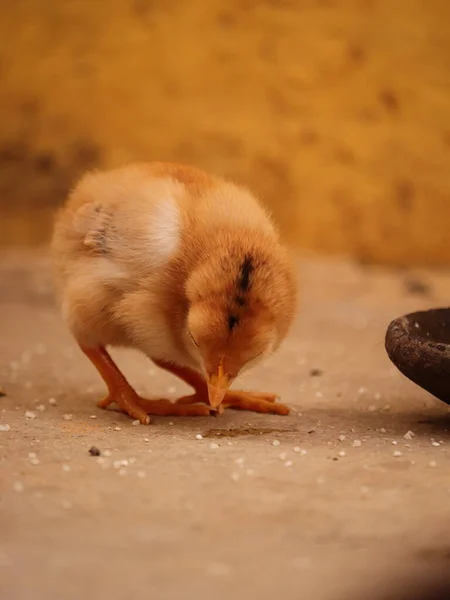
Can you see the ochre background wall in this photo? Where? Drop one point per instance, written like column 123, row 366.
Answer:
column 337, row 112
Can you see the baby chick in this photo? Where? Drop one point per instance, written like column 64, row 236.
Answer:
column 184, row 266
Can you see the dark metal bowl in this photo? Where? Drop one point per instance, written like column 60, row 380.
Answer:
column 419, row 346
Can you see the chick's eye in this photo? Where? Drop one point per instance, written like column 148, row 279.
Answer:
column 193, row 340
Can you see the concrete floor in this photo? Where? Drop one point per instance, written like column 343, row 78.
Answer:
column 232, row 514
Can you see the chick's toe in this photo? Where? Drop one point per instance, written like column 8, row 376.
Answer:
column 165, row 408
column 128, row 402
column 255, row 402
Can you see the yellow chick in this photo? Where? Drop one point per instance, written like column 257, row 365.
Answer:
column 184, row 266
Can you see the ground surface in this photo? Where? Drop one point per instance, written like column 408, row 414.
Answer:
column 232, row 514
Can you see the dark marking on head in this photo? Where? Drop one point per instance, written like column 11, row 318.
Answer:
column 240, row 301
column 247, row 269
column 232, row 322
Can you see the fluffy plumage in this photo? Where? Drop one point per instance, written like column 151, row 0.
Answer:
column 184, row 266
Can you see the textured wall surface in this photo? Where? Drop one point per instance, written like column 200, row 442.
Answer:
column 337, row 112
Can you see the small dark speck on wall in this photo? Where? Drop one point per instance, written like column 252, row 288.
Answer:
column 45, row 162
column 390, row 101
column 356, row 54
column 85, row 154
column 404, row 194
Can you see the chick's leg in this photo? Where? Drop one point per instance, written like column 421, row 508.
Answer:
column 255, row 402
column 121, row 392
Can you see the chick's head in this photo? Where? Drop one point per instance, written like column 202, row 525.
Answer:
column 241, row 304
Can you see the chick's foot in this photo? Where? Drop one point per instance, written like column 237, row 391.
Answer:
column 165, row 408
column 128, row 402
column 254, row 402
column 122, row 394
column 139, row 408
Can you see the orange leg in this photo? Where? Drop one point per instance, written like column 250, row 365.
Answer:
column 121, row 392
column 255, row 402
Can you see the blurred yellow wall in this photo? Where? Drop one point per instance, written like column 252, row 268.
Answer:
column 337, row 112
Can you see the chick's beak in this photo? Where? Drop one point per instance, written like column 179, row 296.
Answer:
column 218, row 384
